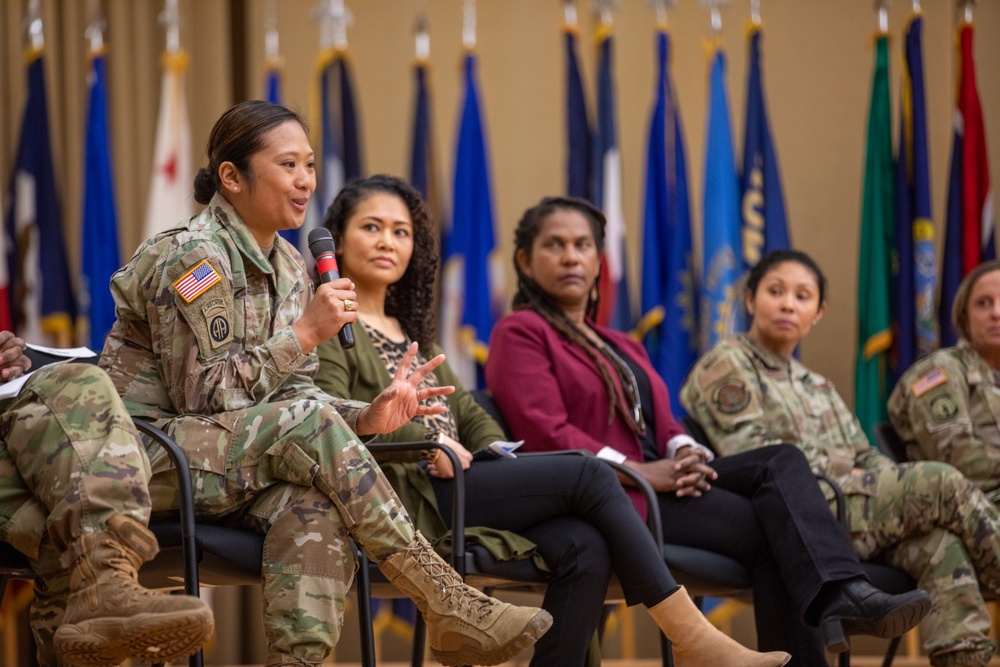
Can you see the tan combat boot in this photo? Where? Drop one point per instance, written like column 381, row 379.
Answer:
column 465, row 627
column 110, row 617
column 697, row 643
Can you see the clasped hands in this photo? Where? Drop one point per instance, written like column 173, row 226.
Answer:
column 687, row 474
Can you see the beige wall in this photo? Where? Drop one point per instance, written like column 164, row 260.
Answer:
column 817, row 69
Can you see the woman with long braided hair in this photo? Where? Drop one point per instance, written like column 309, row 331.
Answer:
column 563, row 382
column 570, row 513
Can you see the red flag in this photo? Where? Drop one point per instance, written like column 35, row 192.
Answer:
column 977, row 200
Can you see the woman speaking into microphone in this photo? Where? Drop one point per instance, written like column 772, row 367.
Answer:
column 214, row 342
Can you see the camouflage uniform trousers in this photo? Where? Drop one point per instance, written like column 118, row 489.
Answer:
column 294, row 471
column 70, row 459
column 927, row 519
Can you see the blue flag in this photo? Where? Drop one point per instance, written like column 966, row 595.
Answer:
column 100, row 257
column 723, row 263
column 669, row 283
column 42, row 301
column 763, row 211
column 421, row 171
column 578, row 160
column 472, row 299
column 340, row 141
column 272, row 83
column 914, row 280
column 615, row 308
column 423, row 160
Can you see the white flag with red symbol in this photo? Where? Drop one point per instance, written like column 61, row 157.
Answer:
column 170, row 191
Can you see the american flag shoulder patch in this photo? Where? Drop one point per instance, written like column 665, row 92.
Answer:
column 928, row 382
column 195, row 282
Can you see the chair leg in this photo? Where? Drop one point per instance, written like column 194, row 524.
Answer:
column 419, row 641
column 844, row 659
column 890, row 651
column 666, row 651
column 365, row 618
column 197, row 659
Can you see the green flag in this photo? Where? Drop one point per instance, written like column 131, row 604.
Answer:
column 875, row 262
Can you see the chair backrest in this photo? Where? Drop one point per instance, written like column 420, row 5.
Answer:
column 485, row 400
column 889, row 443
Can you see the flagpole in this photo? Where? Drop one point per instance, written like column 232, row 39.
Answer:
column 883, row 16
column 967, row 6
column 569, row 13
column 469, row 24
column 660, row 8
column 605, row 9
column 422, row 38
column 271, row 38
column 33, row 25
column 715, row 11
column 171, row 18
column 95, row 28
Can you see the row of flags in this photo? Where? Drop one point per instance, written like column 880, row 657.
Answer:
column 743, row 215
column 897, row 318
column 37, row 294
column 681, row 314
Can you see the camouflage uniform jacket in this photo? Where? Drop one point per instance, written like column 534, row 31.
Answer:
column 746, row 396
column 946, row 407
column 204, row 323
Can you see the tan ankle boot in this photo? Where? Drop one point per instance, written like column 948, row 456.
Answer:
column 697, row 643
column 110, row 617
column 465, row 627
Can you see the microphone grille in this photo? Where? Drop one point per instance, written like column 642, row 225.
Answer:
column 320, row 241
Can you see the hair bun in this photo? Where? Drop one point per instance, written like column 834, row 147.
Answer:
column 205, row 185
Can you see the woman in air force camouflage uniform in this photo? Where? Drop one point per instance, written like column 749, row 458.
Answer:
column 925, row 518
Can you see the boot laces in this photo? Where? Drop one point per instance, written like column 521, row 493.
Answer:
column 456, row 592
column 124, row 568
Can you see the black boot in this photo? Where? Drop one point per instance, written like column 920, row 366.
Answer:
column 855, row 607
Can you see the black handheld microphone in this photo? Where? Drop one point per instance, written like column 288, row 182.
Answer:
column 321, row 247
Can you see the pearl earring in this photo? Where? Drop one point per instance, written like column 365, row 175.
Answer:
column 815, row 320
column 236, row 188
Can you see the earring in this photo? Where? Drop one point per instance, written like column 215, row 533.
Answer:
column 236, row 188
column 815, row 320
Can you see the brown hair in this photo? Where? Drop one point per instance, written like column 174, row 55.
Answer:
column 960, row 306
column 237, row 135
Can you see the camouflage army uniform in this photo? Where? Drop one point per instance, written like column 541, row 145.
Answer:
column 203, row 346
column 70, row 459
column 924, row 518
column 946, row 407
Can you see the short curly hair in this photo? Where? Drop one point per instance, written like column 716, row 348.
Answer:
column 411, row 298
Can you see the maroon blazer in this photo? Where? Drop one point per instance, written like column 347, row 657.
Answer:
column 552, row 395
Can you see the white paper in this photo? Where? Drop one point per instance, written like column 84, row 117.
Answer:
column 68, row 352
column 12, row 388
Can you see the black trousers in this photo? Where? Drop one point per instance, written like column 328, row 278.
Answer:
column 585, row 527
column 766, row 511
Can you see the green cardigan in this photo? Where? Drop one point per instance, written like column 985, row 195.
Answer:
column 359, row 373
